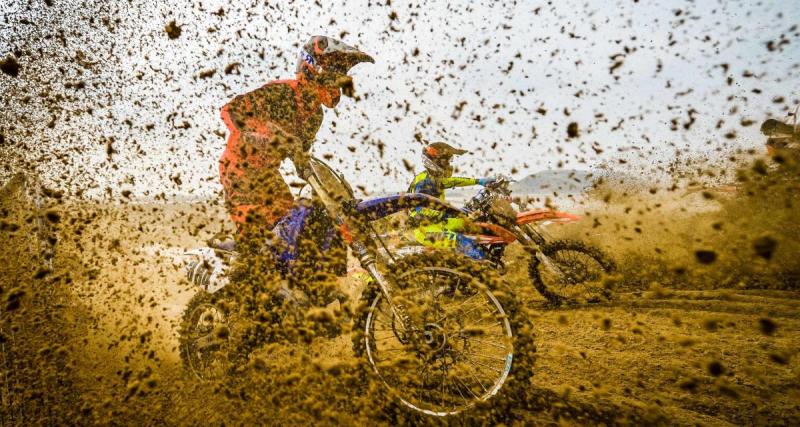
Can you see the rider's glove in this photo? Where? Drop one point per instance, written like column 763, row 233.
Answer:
column 486, row 181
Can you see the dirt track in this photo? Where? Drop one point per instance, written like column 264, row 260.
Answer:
column 649, row 356
column 649, row 353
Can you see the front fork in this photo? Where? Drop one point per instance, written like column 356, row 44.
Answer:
column 367, row 259
column 532, row 242
column 365, row 256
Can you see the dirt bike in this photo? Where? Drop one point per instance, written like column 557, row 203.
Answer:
column 440, row 333
column 561, row 270
column 782, row 135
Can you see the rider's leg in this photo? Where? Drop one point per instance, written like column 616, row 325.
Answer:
column 261, row 208
column 255, row 193
column 469, row 247
column 441, row 237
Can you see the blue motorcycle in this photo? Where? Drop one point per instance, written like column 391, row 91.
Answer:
column 441, row 332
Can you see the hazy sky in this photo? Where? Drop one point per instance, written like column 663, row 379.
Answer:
column 500, row 79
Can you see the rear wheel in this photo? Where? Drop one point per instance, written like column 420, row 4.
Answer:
column 572, row 272
column 459, row 348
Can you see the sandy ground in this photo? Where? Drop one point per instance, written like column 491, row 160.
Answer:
column 654, row 350
column 665, row 356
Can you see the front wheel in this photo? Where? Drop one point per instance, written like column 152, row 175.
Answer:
column 457, row 347
column 571, row 271
column 205, row 337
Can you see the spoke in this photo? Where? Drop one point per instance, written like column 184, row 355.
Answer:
column 574, row 265
column 469, row 389
column 493, row 344
column 424, row 378
column 465, row 301
column 476, row 378
column 483, row 319
column 496, row 335
column 394, row 349
column 481, row 364
column 391, row 352
column 419, row 389
column 473, row 309
column 391, row 325
column 383, row 311
column 445, row 287
column 474, row 364
column 582, row 263
column 462, row 315
column 429, row 284
column 206, row 341
column 391, row 336
column 441, row 392
column 568, row 255
column 453, row 309
column 492, row 310
column 500, row 359
column 429, row 290
column 466, row 402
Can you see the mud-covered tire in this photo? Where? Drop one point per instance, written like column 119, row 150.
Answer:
column 202, row 304
column 513, row 393
column 555, row 294
column 360, row 319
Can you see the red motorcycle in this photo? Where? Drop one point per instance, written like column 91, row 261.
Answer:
column 561, row 270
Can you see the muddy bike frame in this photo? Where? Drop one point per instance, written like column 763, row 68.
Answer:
column 354, row 217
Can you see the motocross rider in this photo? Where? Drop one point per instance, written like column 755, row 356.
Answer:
column 435, row 228
column 278, row 121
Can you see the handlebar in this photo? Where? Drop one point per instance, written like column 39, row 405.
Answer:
column 500, row 185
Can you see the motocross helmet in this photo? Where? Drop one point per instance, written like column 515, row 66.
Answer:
column 326, row 61
column 436, row 159
column 323, row 58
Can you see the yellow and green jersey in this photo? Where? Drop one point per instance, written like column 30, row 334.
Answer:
column 426, row 184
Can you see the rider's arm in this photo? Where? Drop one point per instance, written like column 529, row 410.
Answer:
column 259, row 116
column 457, row 181
column 238, row 111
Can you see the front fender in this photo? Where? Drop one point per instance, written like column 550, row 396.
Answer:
column 538, row 215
